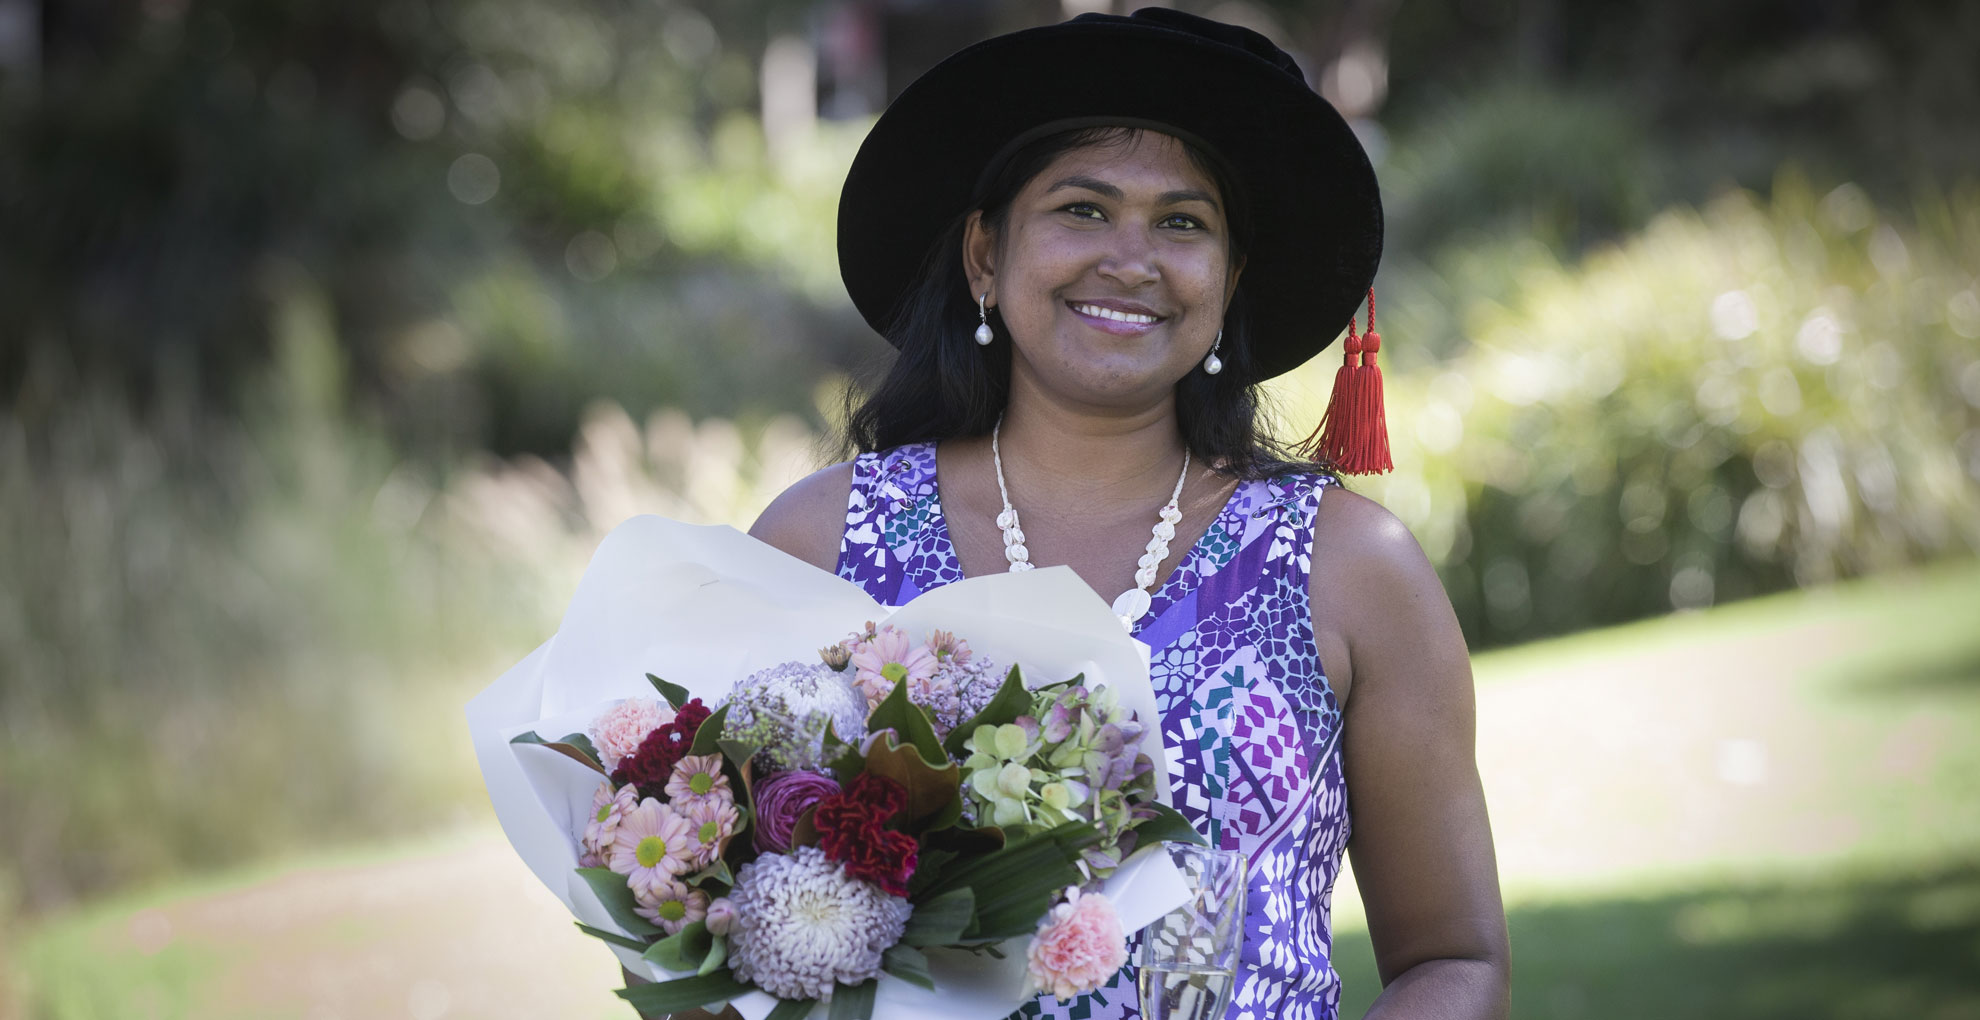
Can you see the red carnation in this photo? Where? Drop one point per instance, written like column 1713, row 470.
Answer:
column 654, row 761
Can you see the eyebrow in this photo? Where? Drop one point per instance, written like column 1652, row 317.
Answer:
column 1102, row 187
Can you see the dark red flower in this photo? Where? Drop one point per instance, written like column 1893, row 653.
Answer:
column 649, row 766
column 849, row 825
column 884, row 858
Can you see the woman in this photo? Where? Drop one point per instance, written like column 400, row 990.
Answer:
column 1089, row 242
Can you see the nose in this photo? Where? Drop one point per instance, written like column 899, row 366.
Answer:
column 1131, row 258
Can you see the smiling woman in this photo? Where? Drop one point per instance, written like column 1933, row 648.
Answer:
column 1056, row 228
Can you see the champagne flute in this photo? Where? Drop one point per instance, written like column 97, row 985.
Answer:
column 1189, row 958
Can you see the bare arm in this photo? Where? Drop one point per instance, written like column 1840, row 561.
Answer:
column 1422, row 844
column 807, row 519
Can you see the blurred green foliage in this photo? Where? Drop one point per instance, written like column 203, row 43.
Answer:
column 514, row 208
column 1759, row 394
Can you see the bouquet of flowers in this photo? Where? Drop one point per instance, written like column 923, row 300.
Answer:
column 908, row 821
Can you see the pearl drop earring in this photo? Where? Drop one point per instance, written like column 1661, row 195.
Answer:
column 1214, row 364
column 983, row 333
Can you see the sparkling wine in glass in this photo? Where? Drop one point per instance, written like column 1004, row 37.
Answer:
column 1188, row 959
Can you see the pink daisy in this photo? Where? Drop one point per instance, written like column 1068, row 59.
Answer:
column 888, row 658
column 653, row 843
column 671, row 905
column 712, row 820
column 698, row 777
column 608, row 806
column 618, row 731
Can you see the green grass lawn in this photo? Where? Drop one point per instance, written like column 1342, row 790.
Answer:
column 1770, row 809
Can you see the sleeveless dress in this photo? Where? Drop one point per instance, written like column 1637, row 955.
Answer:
column 1247, row 712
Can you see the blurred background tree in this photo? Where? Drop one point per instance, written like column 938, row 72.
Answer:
column 333, row 334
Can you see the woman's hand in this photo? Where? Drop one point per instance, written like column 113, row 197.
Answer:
column 1421, row 844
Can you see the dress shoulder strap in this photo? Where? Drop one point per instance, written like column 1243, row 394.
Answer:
column 893, row 544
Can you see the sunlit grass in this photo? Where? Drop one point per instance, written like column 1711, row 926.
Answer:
column 1762, row 810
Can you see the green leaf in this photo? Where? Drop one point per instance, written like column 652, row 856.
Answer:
column 1168, row 826
column 895, row 712
column 685, row 993
column 739, row 753
column 854, row 1002
column 791, row 1009
column 618, row 899
column 718, row 954
column 717, row 872
column 576, row 747
column 684, row 950
column 942, row 920
column 928, row 867
column 613, row 937
column 675, row 694
column 708, row 739
column 909, row 964
column 583, row 743
column 1011, row 700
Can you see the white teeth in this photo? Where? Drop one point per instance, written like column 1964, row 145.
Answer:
column 1108, row 313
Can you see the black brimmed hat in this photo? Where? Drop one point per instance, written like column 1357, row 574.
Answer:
column 1316, row 214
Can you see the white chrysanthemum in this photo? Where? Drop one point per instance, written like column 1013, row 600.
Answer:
column 783, row 710
column 802, row 926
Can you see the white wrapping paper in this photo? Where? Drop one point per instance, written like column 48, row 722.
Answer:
column 704, row 607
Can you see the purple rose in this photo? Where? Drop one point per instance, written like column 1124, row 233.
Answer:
column 781, row 800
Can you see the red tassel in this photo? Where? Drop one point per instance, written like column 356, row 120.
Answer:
column 1354, row 434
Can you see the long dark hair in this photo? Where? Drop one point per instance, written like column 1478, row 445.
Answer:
column 942, row 385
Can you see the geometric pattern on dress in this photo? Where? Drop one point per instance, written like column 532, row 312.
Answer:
column 1244, row 703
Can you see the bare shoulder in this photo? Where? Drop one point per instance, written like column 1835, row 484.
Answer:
column 806, row 520
column 1374, row 592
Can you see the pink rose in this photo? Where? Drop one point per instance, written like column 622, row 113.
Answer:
column 1079, row 946
column 781, row 800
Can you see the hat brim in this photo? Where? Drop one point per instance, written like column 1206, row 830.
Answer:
column 1315, row 208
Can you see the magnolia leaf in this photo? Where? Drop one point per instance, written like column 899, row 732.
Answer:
column 618, row 899
column 940, row 921
column 707, row 739
column 803, row 832
column 909, row 964
column 613, row 937
column 685, row 993
column 1010, row 701
column 855, row 1002
column 684, row 950
column 675, row 694
column 909, row 720
column 934, row 795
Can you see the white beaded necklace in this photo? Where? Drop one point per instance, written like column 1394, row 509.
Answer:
column 1130, row 604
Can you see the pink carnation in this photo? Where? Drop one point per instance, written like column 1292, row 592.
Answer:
column 1079, row 946
column 890, row 652
column 618, row 732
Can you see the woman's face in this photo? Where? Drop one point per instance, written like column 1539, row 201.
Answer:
column 1111, row 270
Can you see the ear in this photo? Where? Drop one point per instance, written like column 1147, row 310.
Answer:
column 979, row 253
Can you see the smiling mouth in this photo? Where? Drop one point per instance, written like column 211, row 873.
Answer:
column 1099, row 312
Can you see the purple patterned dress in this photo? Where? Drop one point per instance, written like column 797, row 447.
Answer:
column 1246, row 711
